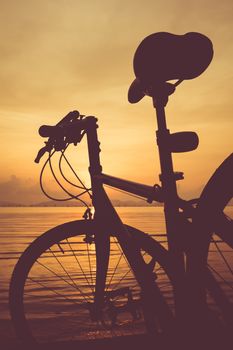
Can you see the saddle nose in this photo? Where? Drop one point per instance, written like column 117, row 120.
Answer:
column 136, row 91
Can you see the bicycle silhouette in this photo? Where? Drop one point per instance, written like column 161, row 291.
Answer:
column 146, row 287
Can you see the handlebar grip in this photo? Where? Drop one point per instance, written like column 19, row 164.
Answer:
column 48, row 130
column 71, row 129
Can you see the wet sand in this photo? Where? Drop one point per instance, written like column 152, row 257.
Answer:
column 218, row 338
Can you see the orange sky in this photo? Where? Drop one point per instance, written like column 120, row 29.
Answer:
column 62, row 55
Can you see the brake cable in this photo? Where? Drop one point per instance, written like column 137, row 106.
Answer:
column 63, row 188
column 48, row 161
column 74, row 172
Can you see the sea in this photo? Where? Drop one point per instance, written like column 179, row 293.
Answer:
column 22, row 225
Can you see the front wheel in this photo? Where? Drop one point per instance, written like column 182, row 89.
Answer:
column 53, row 285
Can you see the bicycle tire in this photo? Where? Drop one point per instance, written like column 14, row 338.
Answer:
column 210, row 219
column 22, row 286
column 214, row 198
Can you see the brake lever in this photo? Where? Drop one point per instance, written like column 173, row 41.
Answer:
column 47, row 148
column 70, row 117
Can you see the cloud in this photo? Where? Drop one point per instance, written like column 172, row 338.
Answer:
column 53, row 52
column 59, row 55
column 21, row 191
column 27, row 191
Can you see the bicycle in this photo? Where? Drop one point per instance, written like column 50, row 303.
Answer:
column 155, row 287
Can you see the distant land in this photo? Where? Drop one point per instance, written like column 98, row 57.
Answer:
column 117, row 203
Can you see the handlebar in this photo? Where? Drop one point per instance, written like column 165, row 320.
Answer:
column 70, row 129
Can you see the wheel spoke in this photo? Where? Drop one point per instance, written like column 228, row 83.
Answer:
column 51, row 290
column 89, row 262
column 220, row 276
column 223, row 257
column 122, row 278
column 115, row 269
column 80, row 266
column 119, row 247
column 129, row 270
column 64, row 269
column 63, row 279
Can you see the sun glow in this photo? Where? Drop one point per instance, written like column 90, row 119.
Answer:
column 47, row 70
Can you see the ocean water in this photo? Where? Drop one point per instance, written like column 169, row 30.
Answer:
column 65, row 273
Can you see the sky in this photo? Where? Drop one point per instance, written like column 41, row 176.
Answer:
column 63, row 55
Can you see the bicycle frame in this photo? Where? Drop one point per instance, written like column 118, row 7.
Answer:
column 108, row 220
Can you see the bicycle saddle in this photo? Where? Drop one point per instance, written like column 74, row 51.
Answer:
column 164, row 56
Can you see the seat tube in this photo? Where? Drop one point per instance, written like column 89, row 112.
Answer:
column 171, row 208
